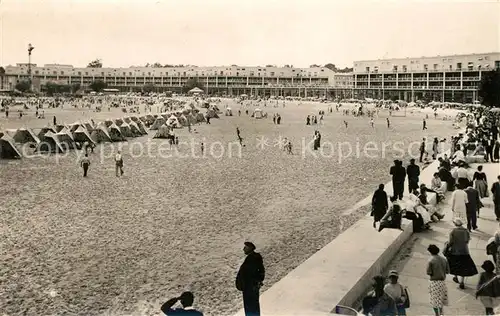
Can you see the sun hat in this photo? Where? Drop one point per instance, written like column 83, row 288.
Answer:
column 393, row 273
column 458, row 222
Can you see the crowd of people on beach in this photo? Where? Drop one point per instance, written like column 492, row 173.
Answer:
column 468, row 190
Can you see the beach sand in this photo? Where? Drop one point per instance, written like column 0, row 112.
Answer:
column 122, row 246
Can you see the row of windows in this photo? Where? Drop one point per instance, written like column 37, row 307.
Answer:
column 459, row 66
column 444, row 60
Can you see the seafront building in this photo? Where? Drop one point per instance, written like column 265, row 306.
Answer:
column 226, row 80
column 453, row 78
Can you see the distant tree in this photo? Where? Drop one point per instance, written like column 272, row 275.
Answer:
column 23, row 86
column 270, row 65
column 95, row 64
column 168, row 66
column 52, row 88
column 98, row 85
column 192, row 83
column 314, row 66
column 75, row 87
column 148, row 88
column 489, row 88
column 146, row 65
column 331, row 67
column 156, row 65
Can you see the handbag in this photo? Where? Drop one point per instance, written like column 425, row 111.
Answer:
column 406, row 303
column 447, row 249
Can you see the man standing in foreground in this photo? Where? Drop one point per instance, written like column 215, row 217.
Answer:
column 413, row 172
column 118, row 164
column 186, row 299
column 85, row 164
column 249, row 279
column 398, row 173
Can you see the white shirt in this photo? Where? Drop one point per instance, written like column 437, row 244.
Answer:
column 459, row 155
column 462, row 173
column 118, row 157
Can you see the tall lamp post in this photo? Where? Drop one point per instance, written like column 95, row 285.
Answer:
column 30, row 49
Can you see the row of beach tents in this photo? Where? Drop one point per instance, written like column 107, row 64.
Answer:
column 60, row 138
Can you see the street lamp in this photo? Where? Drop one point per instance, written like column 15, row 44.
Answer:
column 30, row 48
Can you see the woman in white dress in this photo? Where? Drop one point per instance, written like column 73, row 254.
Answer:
column 458, row 204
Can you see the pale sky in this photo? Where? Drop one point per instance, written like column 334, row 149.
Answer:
column 243, row 32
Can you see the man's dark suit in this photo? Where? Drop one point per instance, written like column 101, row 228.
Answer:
column 472, row 207
column 249, row 279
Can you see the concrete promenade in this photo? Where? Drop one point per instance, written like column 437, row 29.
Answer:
column 411, row 263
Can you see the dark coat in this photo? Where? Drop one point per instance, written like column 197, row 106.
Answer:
column 398, row 173
column 413, row 172
column 474, row 201
column 251, row 272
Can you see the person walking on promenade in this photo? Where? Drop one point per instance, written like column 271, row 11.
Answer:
column 458, row 203
column 397, row 292
column 85, row 163
column 437, row 269
column 457, row 253
column 472, row 207
column 54, row 120
column 249, row 279
column 118, row 164
column 488, row 288
column 495, row 191
column 435, row 148
column 398, row 173
column 186, row 299
column 422, row 150
column 424, row 125
column 413, row 172
column 379, row 205
column 481, row 183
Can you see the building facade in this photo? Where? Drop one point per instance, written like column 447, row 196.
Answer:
column 227, row 80
column 453, row 78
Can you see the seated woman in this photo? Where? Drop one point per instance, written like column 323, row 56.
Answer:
column 438, row 186
column 417, row 213
column 377, row 302
column 392, row 219
column 434, row 211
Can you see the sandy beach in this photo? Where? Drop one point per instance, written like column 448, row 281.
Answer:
column 122, row 246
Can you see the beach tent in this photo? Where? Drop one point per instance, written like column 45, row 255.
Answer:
column 173, row 121
column 58, row 127
column 73, row 126
column 126, row 131
column 115, row 133
column 158, row 122
column 127, row 119
column 65, row 138
column 44, row 130
column 183, row 121
column 257, row 113
column 81, row 135
column 89, row 126
column 135, row 119
column 195, row 90
column 135, row 129
column 142, row 128
column 25, row 135
column 50, row 144
column 211, row 113
column 200, row 117
column 108, row 122
column 163, row 132
column 100, row 134
column 118, row 122
column 7, row 148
